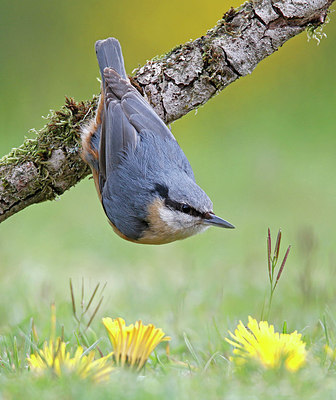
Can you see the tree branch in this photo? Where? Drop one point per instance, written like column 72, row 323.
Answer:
column 46, row 166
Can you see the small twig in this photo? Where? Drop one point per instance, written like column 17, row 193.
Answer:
column 272, row 263
column 94, row 313
column 73, row 301
column 91, row 298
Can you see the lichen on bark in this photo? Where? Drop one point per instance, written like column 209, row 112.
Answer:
column 45, row 166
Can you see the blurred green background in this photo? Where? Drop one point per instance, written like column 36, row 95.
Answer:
column 263, row 149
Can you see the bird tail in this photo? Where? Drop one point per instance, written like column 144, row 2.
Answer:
column 109, row 55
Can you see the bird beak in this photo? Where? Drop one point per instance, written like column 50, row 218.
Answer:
column 212, row 219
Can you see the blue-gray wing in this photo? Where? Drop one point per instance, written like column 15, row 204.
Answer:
column 126, row 115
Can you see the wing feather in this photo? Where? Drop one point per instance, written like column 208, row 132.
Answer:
column 126, row 115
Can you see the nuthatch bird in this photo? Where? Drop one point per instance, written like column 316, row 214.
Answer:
column 144, row 181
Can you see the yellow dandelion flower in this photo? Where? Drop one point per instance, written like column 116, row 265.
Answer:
column 133, row 344
column 56, row 358
column 259, row 342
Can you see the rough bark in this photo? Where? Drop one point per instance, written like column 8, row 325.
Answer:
column 188, row 76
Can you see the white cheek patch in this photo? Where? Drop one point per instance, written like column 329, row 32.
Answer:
column 175, row 219
column 183, row 225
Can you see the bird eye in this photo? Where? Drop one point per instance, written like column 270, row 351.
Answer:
column 185, row 208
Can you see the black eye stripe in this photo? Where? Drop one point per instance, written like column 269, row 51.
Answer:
column 174, row 205
column 182, row 207
column 162, row 190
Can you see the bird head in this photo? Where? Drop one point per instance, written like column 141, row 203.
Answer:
column 178, row 211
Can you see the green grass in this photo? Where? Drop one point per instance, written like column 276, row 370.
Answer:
column 198, row 366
